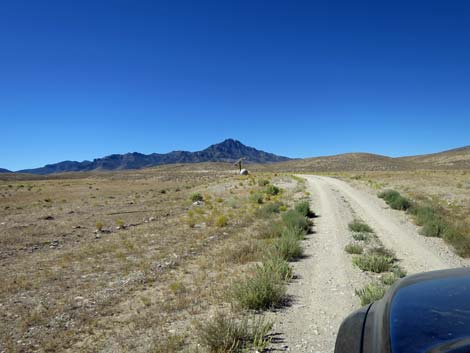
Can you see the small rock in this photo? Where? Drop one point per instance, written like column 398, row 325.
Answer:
column 198, row 203
column 151, row 219
column 48, row 218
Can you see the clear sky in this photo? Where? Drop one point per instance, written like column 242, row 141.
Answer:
column 84, row 79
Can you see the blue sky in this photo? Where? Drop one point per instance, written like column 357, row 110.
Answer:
column 84, row 79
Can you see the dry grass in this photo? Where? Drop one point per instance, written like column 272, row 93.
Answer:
column 65, row 286
column 439, row 200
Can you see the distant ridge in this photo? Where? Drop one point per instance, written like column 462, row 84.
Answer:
column 5, row 171
column 454, row 158
column 458, row 158
column 229, row 150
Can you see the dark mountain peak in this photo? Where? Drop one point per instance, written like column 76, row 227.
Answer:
column 229, row 150
column 227, row 144
column 2, row 170
column 230, row 142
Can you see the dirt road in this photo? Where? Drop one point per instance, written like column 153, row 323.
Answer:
column 323, row 294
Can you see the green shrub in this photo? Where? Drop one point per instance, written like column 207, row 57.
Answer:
column 225, row 334
column 257, row 198
column 359, row 227
column 271, row 230
column 221, row 221
column 460, row 241
column 365, row 237
column 263, row 182
column 388, row 194
column 293, row 219
column 354, row 249
column 296, row 233
column 400, row 203
column 288, row 248
column 196, row 197
column 398, row 272
column 269, row 209
column 389, row 278
column 434, row 228
column 279, row 267
column 423, row 214
column 303, row 208
column 373, row 263
column 382, row 251
column 395, row 200
column 272, row 190
column 370, row 293
column 264, row 290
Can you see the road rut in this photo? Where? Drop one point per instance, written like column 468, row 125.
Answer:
column 323, row 293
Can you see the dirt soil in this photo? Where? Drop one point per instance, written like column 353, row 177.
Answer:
column 323, row 293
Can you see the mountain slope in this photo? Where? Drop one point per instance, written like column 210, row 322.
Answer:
column 458, row 158
column 454, row 158
column 345, row 162
column 5, row 170
column 227, row 151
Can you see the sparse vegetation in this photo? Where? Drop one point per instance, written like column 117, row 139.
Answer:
column 195, row 197
column 263, row 182
column 288, row 247
column 373, row 263
column 146, row 255
column 359, row 227
column 371, row 293
column 390, row 278
column 271, row 230
column 378, row 259
column 434, row 220
column 226, row 334
column 293, row 219
column 382, row 251
column 257, row 198
column 221, row 221
column 395, row 200
column 269, row 209
column 278, row 266
column 303, row 208
column 354, row 249
column 365, row 237
column 265, row 290
column 272, row 190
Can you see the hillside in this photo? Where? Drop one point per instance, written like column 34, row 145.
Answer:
column 458, row 158
column 4, row 170
column 227, row 151
column 344, row 162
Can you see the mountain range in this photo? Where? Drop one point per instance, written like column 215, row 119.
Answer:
column 229, row 150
